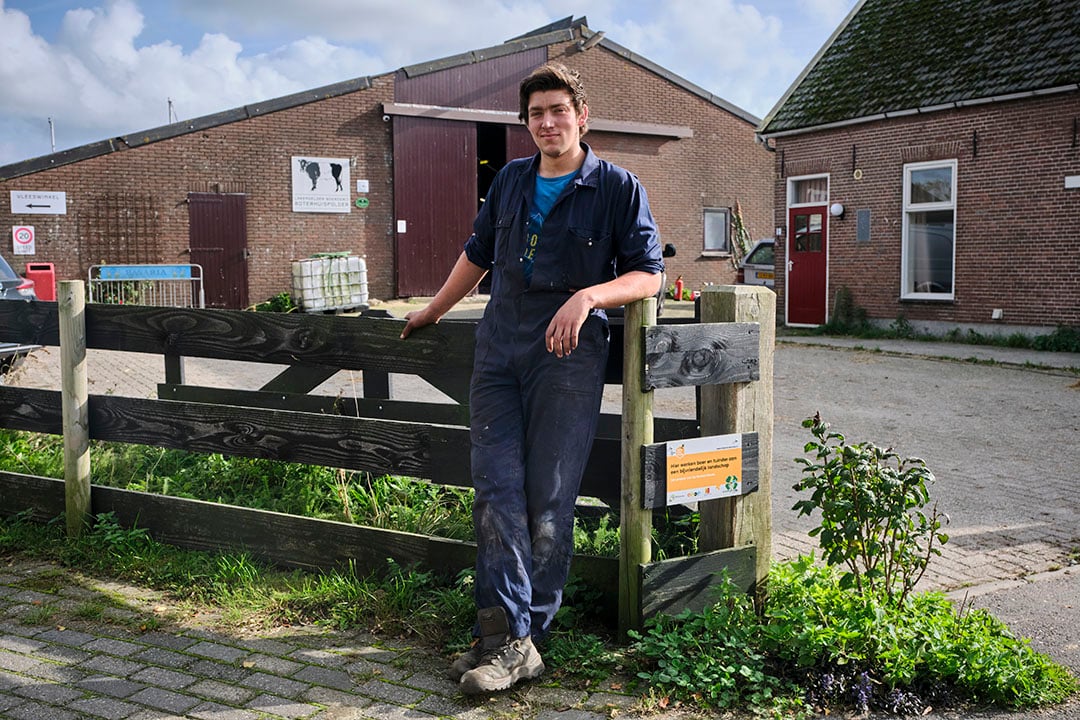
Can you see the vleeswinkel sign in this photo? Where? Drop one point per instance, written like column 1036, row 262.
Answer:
column 38, row 202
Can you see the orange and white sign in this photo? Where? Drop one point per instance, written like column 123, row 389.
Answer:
column 704, row 468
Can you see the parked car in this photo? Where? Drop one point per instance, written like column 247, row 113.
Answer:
column 758, row 267
column 13, row 287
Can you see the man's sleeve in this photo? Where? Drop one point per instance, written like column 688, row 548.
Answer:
column 637, row 237
column 480, row 247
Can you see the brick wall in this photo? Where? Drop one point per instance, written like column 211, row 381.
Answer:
column 1017, row 243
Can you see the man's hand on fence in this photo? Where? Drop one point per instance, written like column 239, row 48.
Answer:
column 417, row 319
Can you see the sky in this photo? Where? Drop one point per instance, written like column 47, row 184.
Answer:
column 76, row 72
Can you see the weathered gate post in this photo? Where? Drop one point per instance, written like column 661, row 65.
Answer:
column 635, row 520
column 71, row 304
column 739, row 408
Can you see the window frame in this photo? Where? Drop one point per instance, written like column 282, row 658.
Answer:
column 907, row 287
column 724, row 251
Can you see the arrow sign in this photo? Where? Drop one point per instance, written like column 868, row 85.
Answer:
column 38, row 202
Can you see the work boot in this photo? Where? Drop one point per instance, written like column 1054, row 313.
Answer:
column 494, row 632
column 503, row 660
column 466, row 662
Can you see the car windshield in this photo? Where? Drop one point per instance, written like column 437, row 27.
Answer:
column 763, row 255
column 6, row 273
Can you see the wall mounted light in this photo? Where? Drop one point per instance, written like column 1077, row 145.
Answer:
column 837, row 210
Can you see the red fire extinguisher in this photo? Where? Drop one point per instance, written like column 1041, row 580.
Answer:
column 678, row 288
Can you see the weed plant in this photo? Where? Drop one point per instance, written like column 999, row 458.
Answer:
column 851, row 320
column 849, row 634
column 871, row 504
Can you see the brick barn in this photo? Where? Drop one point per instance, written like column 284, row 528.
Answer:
column 928, row 168
column 392, row 168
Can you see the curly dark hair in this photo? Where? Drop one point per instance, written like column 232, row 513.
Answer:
column 552, row 76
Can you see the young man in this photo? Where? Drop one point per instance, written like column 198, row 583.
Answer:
column 564, row 235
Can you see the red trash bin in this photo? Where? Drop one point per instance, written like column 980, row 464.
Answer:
column 44, row 277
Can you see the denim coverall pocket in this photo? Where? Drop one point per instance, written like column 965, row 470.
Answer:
column 588, row 258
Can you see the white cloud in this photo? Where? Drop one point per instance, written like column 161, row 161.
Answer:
column 99, row 77
column 96, row 82
column 732, row 49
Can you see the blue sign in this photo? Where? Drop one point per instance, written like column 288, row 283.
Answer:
column 144, row 272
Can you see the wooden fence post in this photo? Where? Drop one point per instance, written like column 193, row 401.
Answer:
column 71, row 302
column 740, row 408
column 635, row 522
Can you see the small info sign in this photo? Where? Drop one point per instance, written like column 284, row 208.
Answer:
column 704, row 468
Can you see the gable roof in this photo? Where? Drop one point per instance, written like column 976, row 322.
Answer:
column 899, row 57
column 564, row 30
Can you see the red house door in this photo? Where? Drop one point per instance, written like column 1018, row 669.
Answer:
column 807, row 265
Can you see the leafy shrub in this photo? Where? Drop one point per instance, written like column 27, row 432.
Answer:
column 922, row 651
column 847, row 318
column 280, row 303
column 872, row 521
column 1063, row 339
column 712, row 658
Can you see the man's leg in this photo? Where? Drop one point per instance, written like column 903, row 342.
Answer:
column 505, row 653
column 563, row 399
column 503, row 557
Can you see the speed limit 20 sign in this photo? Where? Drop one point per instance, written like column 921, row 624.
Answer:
column 22, row 237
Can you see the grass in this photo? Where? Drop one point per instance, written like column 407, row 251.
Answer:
column 813, row 646
column 389, row 502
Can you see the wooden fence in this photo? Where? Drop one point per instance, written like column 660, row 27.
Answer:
column 379, row 434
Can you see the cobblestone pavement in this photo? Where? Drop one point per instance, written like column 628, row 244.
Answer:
column 55, row 664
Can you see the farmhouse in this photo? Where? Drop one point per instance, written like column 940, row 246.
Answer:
column 928, row 168
column 390, row 168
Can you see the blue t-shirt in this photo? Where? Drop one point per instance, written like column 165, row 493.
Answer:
column 545, row 194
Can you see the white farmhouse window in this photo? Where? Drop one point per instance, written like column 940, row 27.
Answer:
column 717, row 231
column 929, row 234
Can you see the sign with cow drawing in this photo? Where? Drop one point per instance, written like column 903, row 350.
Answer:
column 320, row 185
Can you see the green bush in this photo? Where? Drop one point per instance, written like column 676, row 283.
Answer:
column 1063, row 339
column 280, row 303
column 871, row 509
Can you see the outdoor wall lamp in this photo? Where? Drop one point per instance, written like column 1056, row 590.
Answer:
column 837, row 211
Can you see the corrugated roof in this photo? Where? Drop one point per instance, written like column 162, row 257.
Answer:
column 903, row 56
column 559, row 31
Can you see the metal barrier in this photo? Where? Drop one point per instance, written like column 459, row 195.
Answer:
column 158, row 285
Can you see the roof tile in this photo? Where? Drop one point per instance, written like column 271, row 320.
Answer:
column 897, row 55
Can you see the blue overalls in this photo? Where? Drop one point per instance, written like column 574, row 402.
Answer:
column 533, row 415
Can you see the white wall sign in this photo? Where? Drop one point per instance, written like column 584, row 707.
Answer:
column 1072, row 182
column 362, row 186
column 33, row 202
column 22, row 239
column 320, row 185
